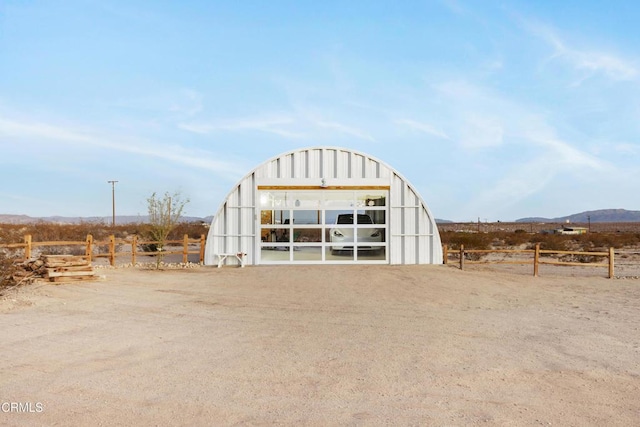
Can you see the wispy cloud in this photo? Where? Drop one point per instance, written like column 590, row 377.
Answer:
column 177, row 104
column 344, row 129
column 190, row 103
column 499, row 126
column 454, row 6
column 591, row 62
column 521, row 182
column 481, row 131
column 19, row 129
column 627, row 148
column 422, row 127
column 560, row 152
column 38, row 132
column 294, row 126
column 491, row 120
column 278, row 124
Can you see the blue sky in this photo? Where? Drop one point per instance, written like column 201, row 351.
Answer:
column 495, row 110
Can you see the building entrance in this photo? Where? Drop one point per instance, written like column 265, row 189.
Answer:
column 323, row 225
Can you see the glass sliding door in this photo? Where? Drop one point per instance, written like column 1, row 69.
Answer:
column 330, row 226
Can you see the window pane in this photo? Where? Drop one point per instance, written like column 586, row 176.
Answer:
column 273, row 199
column 280, row 253
column 307, row 235
column 332, row 216
column 267, row 217
column 305, row 199
column 371, row 198
column 370, row 253
column 366, row 235
column 275, row 234
column 280, row 217
column 340, row 236
column 377, row 216
column 307, row 217
column 307, row 253
column 338, row 256
column 339, row 199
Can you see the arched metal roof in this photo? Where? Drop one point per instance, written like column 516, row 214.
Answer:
column 413, row 234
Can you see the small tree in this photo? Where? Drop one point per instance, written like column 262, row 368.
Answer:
column 164, row 214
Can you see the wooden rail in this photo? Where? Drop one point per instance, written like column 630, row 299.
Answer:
column 112, row 243
column 536, row 260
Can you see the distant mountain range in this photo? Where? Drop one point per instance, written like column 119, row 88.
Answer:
column 122, row 219
column 602, row 215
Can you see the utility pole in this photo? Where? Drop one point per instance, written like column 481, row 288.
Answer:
column 113, row 202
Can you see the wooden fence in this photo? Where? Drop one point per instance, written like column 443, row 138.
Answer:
column 111, row 247
column 536, row 257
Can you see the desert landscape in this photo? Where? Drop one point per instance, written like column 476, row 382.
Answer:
column 323, row 345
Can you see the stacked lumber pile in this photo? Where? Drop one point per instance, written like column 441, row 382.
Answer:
column 60, row 268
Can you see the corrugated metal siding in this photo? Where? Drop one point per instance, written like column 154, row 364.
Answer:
column 413, row 235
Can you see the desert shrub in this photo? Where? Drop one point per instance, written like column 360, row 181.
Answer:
column 469, row 240
column 517, row 238
column 603, row 241
column 193, row 229
column 7, row 269
column 580, row 258
column 76, row 250
column 551, row 242
column 47, row 232
column 11, row 233
column 44, row 231
column 473, row 256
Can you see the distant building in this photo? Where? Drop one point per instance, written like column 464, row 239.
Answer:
column 571, row 230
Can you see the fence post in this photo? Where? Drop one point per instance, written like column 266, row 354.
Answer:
column 185, row 249
column 461, row 257
column 27, row 248
column 611, row 266
column 202, row 243
column 89, row 248
column 112, row 250
column 134, row 248
column 445, row 254
column 536, row 260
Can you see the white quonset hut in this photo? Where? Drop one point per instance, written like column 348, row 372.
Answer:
column 324, row 205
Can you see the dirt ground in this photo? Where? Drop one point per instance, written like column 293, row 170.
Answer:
column 322, row 345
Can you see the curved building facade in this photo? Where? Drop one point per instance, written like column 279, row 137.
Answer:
column 324, row 205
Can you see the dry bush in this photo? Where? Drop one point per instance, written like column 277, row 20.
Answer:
column 48, row 232
column 7, row 270
column 603, row 241
column 550, row 242
column 600, row 241
column 516, row 238
column 193, row 229
column 555, row 242
column 12, row 233
column 469, row 240
column 587, row 259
